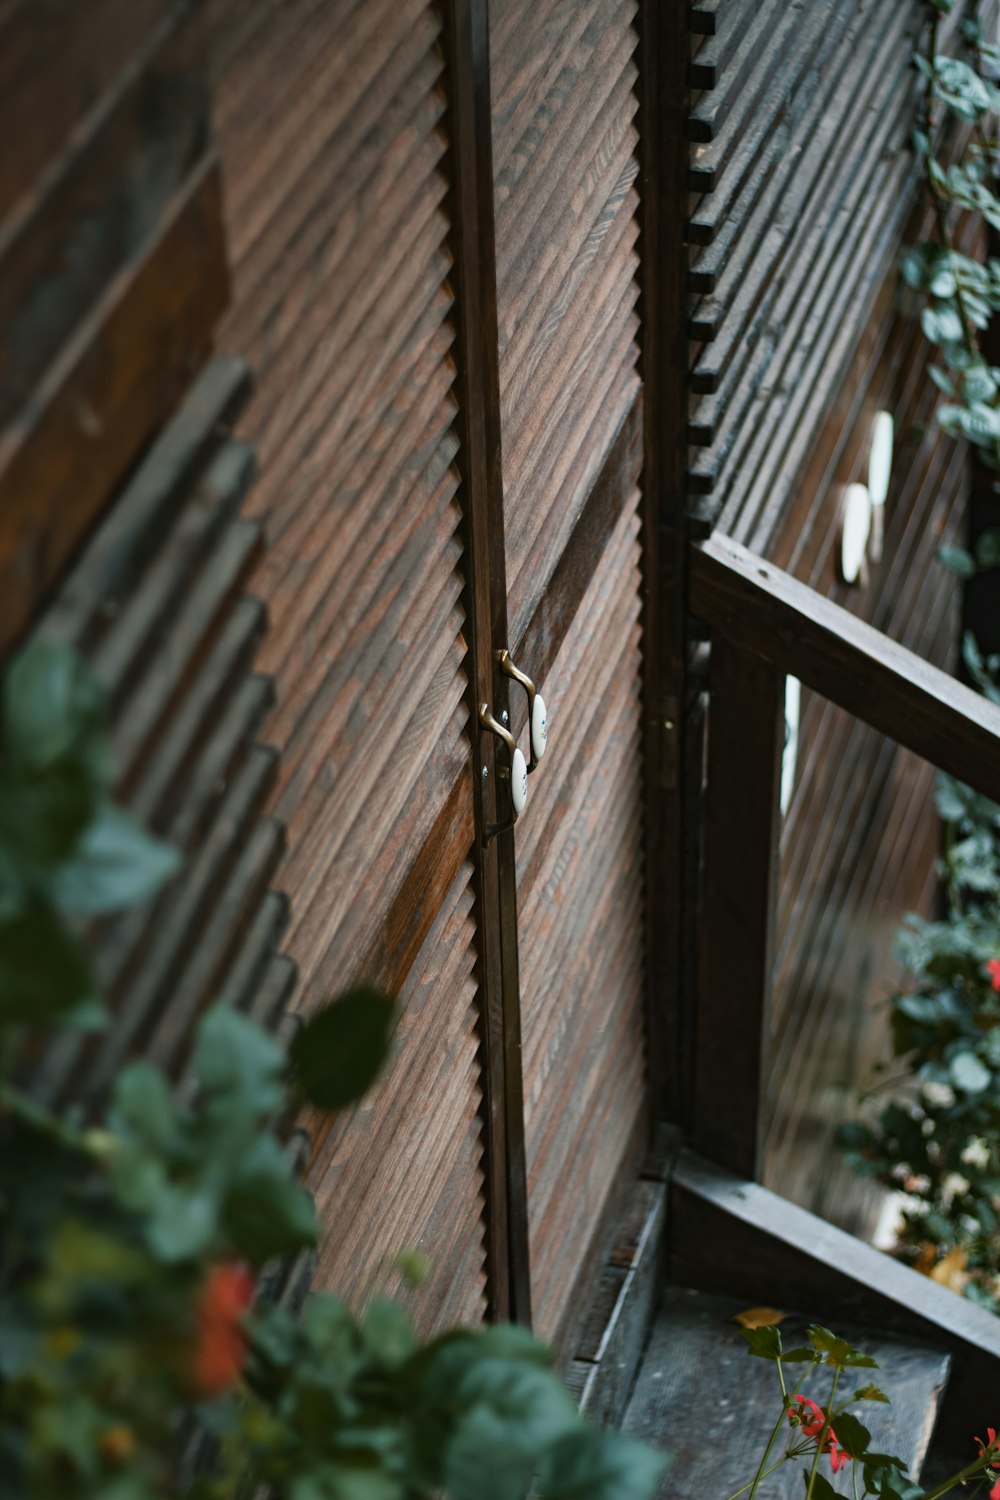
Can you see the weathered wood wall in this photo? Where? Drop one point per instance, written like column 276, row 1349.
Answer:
column 565, row 166
column 120, row 488
column 329, row 121
column 339, row 210
column 332, row 129
column 797, row 341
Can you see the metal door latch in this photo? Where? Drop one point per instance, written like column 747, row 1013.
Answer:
column 517, row 770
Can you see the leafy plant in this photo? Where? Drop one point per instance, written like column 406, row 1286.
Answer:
column 136, row 1360
column 938, row 1138
column 815, row 1431
column 960, row 294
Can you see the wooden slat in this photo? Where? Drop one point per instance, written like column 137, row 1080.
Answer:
column 565, row 211
column 486, row 572
column 669, row 932
column 435, row 1204
column 734, row 1237
column 185, row 709
column 333, row 124
column 796, row 631
column 746, row 728
column 581, row 978
column 40, row 104
column 105, row 199
column 115, row 382
column 697, row 1359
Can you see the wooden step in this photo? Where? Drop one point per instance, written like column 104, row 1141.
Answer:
column 700, row 1394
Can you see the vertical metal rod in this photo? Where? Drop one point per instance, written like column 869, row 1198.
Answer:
column 466, row 37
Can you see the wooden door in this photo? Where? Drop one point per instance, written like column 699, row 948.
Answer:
column 433, row 229
column 565, row 224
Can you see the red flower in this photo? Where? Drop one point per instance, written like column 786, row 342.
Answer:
column 220, row 1344
column 993, row 970
column 986, row 1450
column 809, row 1417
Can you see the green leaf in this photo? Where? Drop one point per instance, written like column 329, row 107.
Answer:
column 764, row 1342
column 913, row 268
column 941, row 325
column 340, row 1051
column 822, row 1489
column 590, row 1464
column 856, row 1361
column 264, row 1212
column 115, row 864
column 798, row 1356
column 414, row 1266
column 852, row 1435
column 870, row 1393
column 958, row 560
column 988, row 548
column 387, row 1332
column 144, row 1108
column 960, row 88
column 235, row 1056
column 53, row 709
column 183, row 1224
column 45, row 977
column 884, row 1461
column 969, row 1074
column 837, row 1350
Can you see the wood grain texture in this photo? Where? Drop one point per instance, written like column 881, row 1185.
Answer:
column 402, row 1170
column 736, row 1238
column 97, row 203
column 789, row 626
column 801, row 188
column 697, row 1362
column 330, row 121
column 185, row 710
column 565, row 167
column 746, row 725
column 111, row 385
column 581, row 923
column 91, row 46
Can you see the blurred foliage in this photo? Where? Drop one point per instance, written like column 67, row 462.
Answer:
column 134, row 1362
column 938, row 1138
column 959, row 294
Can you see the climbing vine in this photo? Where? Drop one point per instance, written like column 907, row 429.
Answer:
column 937, row 1139
column 958, row 147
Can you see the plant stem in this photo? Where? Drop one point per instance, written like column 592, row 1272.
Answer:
column 959, row 1478
column 755, row 1482
column 821, row 1437
column 38, row 1117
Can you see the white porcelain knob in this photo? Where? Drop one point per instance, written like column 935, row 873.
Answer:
column 855, row 529
column 880, row 458
column 539, row 727
column 518, row 782
column 790, row 755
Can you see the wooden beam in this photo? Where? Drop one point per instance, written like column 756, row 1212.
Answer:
column 116, row 380
column 785, row 624
column 735, row 1237
column 745, row 736
column 670, row 792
